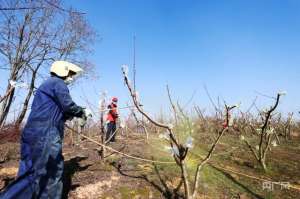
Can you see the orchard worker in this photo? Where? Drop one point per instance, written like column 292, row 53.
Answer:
column 41, row 165
column 111, row 119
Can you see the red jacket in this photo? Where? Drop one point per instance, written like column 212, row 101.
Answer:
column 112, row 114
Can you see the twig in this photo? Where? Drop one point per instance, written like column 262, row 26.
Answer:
column 210, row 99
column 118, row 152
column 212, row 149
column 172, row 105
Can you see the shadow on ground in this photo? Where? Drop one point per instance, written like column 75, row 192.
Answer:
column 5, row 182
column 239, row 183
column 160, row 186
column 71, row 167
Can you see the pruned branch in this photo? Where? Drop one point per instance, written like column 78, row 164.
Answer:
column 138, row 107
column 212, row 149
column 265, row 133
column 172, row 105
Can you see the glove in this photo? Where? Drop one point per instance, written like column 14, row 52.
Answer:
column 88, row 113
column 83, row 119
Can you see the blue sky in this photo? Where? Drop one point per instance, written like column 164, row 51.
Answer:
column 233, row 47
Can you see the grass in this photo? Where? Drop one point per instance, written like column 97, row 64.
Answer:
column 130, row 193
column 233, row 152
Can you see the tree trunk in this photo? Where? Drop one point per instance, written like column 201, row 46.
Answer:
column 184, row 177
column 263, row 164
column 6, row 106
column 6, row 103
column 27, row 99
column 103, row 133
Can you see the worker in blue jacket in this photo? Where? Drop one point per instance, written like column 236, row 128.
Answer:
column 41, row 164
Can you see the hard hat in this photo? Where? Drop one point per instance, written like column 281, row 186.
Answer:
column 62, row 68
column 114, row 99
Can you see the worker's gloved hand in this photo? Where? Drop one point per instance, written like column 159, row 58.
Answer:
column 83, row 119
column 88, row 113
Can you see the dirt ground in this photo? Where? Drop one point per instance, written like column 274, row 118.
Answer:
column 86, row 176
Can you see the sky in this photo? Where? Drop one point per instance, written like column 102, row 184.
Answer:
column 237, row 48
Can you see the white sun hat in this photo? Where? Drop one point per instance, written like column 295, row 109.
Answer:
column 62, row 68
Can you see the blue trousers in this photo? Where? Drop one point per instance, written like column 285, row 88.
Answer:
column 110, row 132
column 41, row 166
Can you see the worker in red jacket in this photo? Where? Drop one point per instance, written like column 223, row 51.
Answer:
column 112, row 117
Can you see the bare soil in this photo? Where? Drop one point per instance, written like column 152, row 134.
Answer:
column 86, row 176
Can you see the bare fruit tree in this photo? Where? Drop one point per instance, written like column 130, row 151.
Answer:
column 180, row 150
column 266, row 135
column 102, row 106
column 31, row 39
